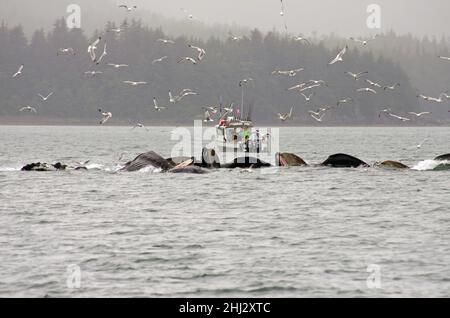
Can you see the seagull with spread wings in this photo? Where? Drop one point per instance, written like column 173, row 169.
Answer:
column 159, row 60
column 131, row 83
column 92, row 48
column 357, row 76
column 339, row 57
column 28, row 109
column 46, row 97
column 127, row 8
column 19, row 71
column 155, row 104
column 105, row 116
column 201, row 52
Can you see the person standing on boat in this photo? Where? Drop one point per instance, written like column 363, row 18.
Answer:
column 246, row 143
column 246, row 137
column 256, row 140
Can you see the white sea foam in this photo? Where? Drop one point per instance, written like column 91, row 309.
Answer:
column 151, row 169
column 8, row 169
column 95, row 166
column 429, row 165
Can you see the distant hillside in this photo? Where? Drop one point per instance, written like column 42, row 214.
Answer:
column 216, row 77
column 95, row 15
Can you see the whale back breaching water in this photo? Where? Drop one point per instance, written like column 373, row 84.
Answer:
column 210, row 160
column 344, row 161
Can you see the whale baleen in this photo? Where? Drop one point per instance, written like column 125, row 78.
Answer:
column 289, row 160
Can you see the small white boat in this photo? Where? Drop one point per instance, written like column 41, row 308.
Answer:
column 238, row 135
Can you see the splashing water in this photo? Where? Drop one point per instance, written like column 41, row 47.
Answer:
column 429, row 165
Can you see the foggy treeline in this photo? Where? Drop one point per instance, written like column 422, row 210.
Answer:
column 392, row 59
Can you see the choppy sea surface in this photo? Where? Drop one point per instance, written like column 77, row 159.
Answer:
column 290, row 232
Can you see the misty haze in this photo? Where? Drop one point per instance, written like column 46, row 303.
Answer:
column 202, row 148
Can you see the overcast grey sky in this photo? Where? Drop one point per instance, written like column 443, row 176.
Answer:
column 343, row 17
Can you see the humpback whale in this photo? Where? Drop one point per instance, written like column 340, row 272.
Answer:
column 391, row 165
column 150, row 158
column 172, row 165
column 38, row 166
column 443, row 157
column 344, row 161
column 289, row 160
column 246, row 162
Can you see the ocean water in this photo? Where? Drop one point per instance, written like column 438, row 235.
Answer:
column 290, row 232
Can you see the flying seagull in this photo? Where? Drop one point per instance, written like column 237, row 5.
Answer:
column 344, row 101
column 385, row 111
column 93, row 73
column 92, row 48
column 102, row 56
column 393, row 87
column 127, row 8
column 134, row 83
column 360, row 41
column 189, row 15
column 286, row 116
column 105, row 116
column 245, row 81
column 339, row 57
column 373, row 83
column 357, row 76
column 45, row 98
column 207, row 116
column 309, row 87
column 318, row 118
column 155, row 103
column 433, row 99
column 319, row 112
column 290, row 73
column 28, row 109
column 159, row 60
column 201, row 52
column 166, row 41
column 312, row 83
column 116, row 30
column 307, row 98
column 399, row 117
column 301, row 39
column 187, row 59
column 235, row 38
column 212, row 109
column 185, row 92
column 65, row 50
column 366, row 89
column 19, row 71
column 444, row 58
column 420, row 114
column 118, row 65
